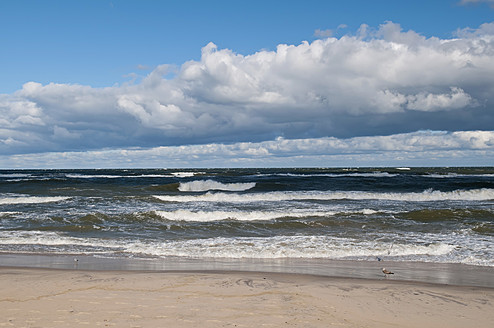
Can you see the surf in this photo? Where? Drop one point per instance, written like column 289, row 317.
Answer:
column 425, row 196
column 31, row 200
column 206, row 185
column 209, row 216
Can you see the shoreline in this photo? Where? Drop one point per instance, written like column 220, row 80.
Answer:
column 72, row 297
column 451, row 274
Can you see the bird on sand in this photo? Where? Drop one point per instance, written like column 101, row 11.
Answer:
column 387, row 272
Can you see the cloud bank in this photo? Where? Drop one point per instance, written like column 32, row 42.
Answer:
column 422, row 148
column 382, row 81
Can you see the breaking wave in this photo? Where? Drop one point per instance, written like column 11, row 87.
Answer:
column 425, row 196
column 442, row 250
column 31, row 200
column 291, row 247
column 207, row 216
column 206, row 185
column 185, row 174
column 225, row 247
column 456, row 175
column 333, row 175
column 112, row 176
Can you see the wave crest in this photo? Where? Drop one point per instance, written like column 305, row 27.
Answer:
column 206, row 185
column 31, row 200
column 425, row 196
column 205, row 216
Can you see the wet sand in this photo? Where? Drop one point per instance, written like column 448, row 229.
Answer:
column 436, row 273
column 34, row 297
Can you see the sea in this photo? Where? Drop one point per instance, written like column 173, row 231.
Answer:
column 438, row 215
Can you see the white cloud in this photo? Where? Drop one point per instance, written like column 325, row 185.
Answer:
column 151, row 113
column 418, row 148
column 484, row 31
column 16, row 112
column 467, row 2
column 323, row 33
column 382, row 80
column 432, row 102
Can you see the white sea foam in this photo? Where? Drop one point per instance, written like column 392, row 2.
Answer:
column 209, row 216
column 205, row 185
column 448, row 249
column 38, row 238
column 15, row 175
column 286, row 247
column 7, row 213
column 334, row 175
column 239, row 247
column 93, row 176
column 184, row 174
column 427, row 195
column 369, row 175
column 31, row 200
column 367, row 211
column 205, row 216
column 105, row 176
column 456, row 175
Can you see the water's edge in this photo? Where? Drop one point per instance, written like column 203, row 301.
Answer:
column 434, row 273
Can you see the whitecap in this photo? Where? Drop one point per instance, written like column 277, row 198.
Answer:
column 208, row 216
column 287, row 247
column 205, row 185
column 183, row 174
column 31, row 200
column 425, row 196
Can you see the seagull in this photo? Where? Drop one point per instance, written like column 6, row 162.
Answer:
column 387, row 272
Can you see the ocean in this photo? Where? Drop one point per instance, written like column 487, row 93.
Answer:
column 439, row 215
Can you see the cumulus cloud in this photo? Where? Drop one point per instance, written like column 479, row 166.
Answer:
column 417, row 148
column 468, row 2
column 456, row 99
column 379, row 81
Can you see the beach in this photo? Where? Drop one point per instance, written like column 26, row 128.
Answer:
column 36, row 297
column 247, row 247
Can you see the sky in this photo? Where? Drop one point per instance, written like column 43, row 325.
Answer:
column 142, row 83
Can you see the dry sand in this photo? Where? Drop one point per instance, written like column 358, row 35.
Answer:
column 72, row 298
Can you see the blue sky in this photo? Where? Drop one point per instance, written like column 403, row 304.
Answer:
column 100, row 43
column 230, row 83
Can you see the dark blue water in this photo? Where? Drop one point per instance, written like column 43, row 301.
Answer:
column 443, row 215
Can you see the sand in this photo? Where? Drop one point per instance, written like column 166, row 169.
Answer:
column 75, row 298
